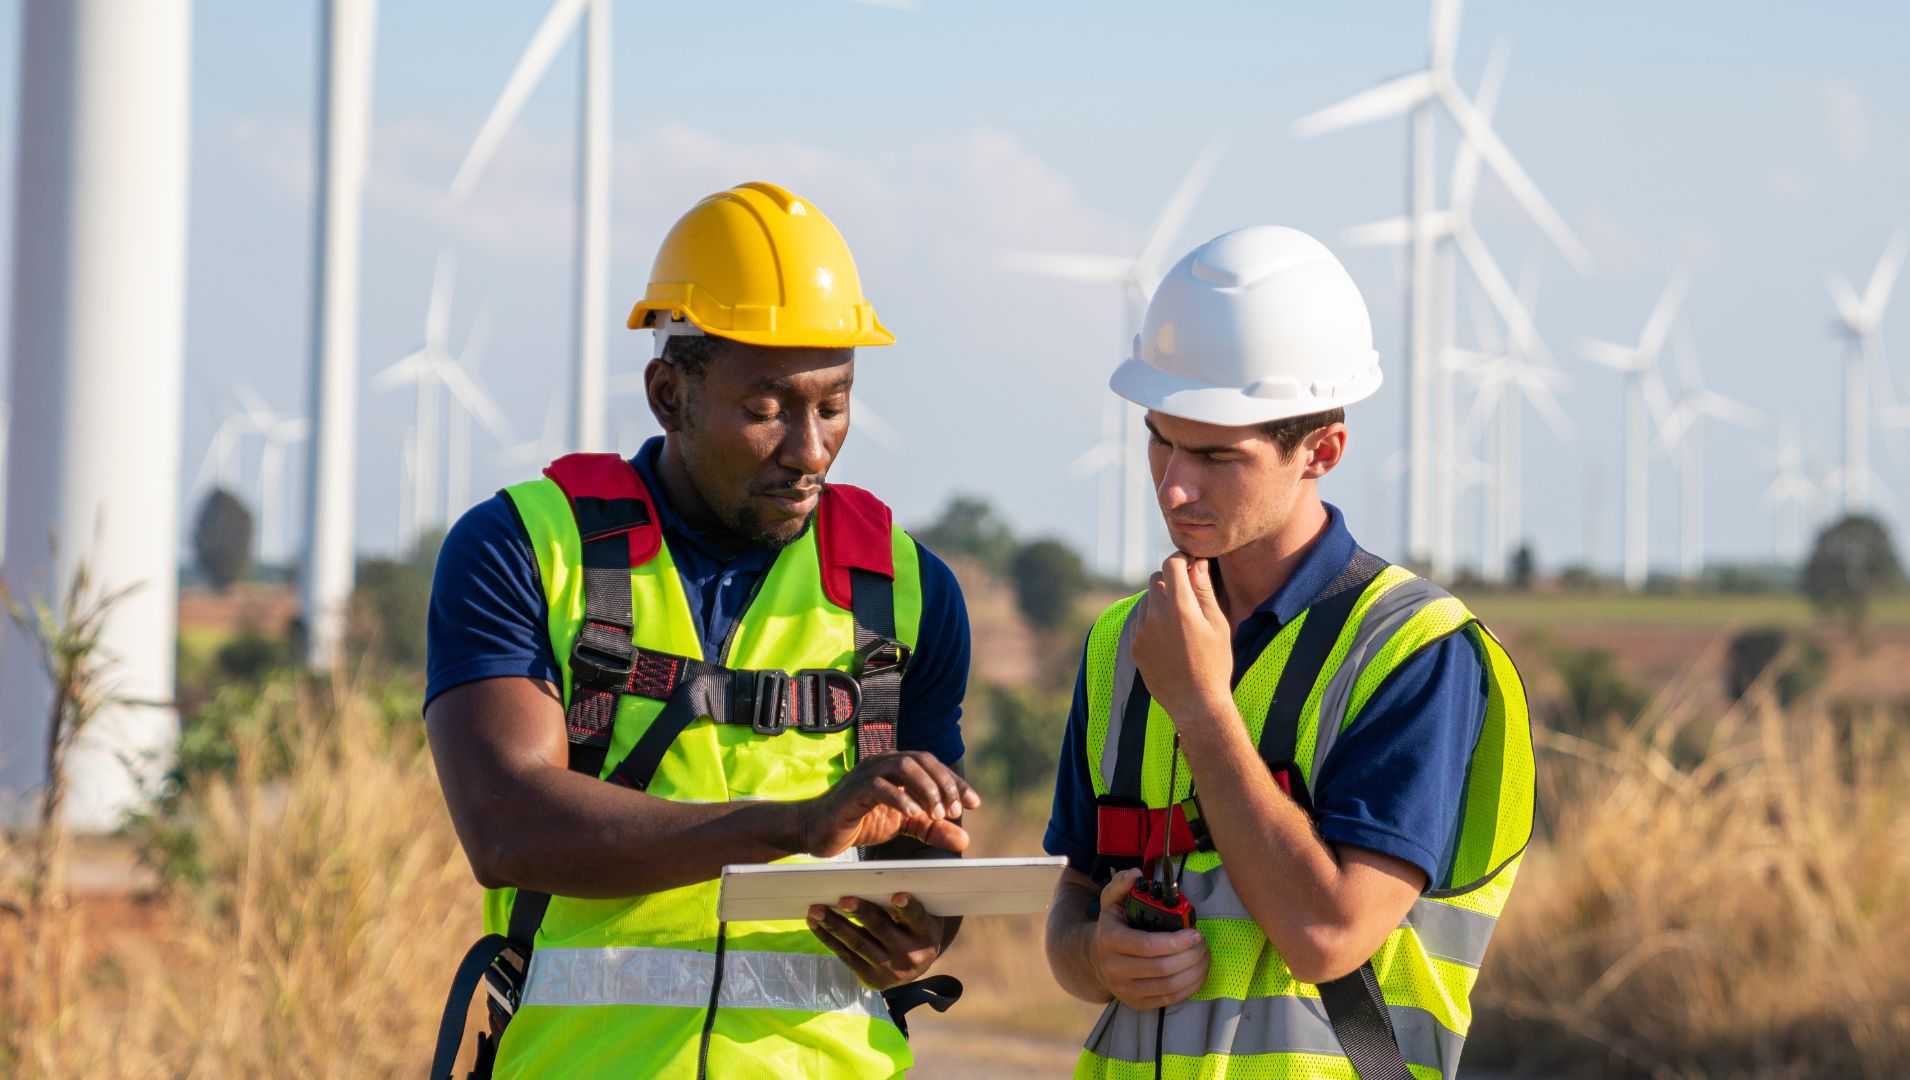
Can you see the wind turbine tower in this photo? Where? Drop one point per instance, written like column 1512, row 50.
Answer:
column 325, row 576
column 1645, row 400
column 1860, row 322
column 97, row 383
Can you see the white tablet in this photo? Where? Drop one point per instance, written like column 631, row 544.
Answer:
column 944, row 886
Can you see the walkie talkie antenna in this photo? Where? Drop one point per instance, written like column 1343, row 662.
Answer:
column 1168, row 888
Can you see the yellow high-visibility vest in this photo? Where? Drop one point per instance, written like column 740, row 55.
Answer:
column 1251, row 1018
column 654, row 985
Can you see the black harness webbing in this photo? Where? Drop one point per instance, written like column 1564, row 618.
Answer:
column 1325, row 620
column 1357, row 1011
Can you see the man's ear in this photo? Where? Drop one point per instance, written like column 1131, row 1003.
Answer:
column 1323, row 449
column 663, row 384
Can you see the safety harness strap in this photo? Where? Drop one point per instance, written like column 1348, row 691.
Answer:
column 1357, row 1010
column 480, row 958
column 1326, row 617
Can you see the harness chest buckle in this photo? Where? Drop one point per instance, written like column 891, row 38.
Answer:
column 599, row 666
column 766, row 700
column 881, row 656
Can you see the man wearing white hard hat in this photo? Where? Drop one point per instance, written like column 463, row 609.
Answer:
column 1297, row 779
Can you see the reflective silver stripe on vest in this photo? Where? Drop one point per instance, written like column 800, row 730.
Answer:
column 1381, row 621
column 1447, row 932
column 1123, row 685
column 639, row 975
column 1451, row 933
column 1269, row 1025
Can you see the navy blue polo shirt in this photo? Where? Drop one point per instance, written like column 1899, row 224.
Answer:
column 489, row 617
column 1393, row 783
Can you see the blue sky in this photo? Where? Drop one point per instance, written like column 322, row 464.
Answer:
column 1761, row 144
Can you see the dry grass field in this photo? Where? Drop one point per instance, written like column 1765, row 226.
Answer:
column 1716, row 892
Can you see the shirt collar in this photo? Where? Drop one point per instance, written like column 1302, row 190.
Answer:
column 1321, row 564
column 676, row 531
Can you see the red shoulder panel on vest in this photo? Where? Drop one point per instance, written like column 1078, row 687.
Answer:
column 610, row 477
column 852, row 532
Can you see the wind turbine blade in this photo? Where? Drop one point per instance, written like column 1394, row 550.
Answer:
column 868, row 420
column 1485, row 270
column 1850, row 308
column 437, row 311
column 1884, row 278
column 1094, row 268
column 1662, row 315
column 1173, row 216
column 1529, row 287
column 1485, row 332
column 1547, row 406
column 543, row 47
column 1718, row 407
column 1657, row 401
column 410, row 369
column 257, row 412
column 1442, row 33
column 476, row 400
column 297, row 429
column 1392, row 232
column 1513, row 175
column 1674, row 427
column 1684, row 354
column 1465, row 161
column 1094, row 459
column 1621, row 357
column 472, row 354
column 1386, row 99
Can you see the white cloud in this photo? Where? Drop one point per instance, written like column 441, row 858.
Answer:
column 1846, row 120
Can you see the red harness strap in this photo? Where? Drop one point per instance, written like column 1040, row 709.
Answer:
column 1134, row 832
column 853, row 532
column 588, row 479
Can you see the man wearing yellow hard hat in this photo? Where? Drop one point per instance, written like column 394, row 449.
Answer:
column 642, row 670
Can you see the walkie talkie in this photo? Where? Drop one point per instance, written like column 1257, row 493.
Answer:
column 1155, row 903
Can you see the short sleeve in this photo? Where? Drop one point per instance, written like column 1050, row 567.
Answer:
column 936, row 679
column 488, row 616
column 1071, row 824
column 1395, row 782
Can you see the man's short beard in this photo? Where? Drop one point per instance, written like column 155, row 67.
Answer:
column 746, row 526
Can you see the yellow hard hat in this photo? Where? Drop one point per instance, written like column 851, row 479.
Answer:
column 759, row 265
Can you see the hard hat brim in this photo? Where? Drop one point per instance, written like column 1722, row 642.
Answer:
column 1230, row 406
column 794, row 337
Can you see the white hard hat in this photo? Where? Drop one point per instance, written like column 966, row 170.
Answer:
column 1258, row 324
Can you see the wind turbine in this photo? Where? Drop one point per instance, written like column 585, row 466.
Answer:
column 1419, row 93
column 1125, row 493
column 418, row 368
column 220, row 466
column 1860, row 322
column 1644, row 391
column 470, row 398
column 1509, row 375
column 1683, row 431
column 588, row 386
column 277, row 431
column 1453, row 229
column 1791, row 489
column 431, row 363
